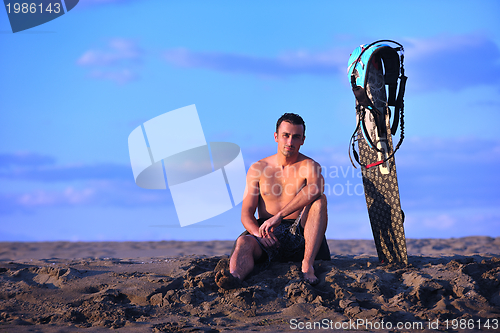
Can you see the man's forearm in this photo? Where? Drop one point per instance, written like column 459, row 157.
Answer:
column 308, row 194
column 250, row 224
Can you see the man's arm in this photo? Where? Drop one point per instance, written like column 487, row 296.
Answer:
column 250, row 203
column 251, row 200
column 314, row 187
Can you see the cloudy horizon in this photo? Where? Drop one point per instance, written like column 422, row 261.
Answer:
column 70, row 98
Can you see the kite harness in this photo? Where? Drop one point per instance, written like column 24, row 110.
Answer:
column 359, row 61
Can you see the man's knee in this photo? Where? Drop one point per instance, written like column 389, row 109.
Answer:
column 246, row 243
column 316, row 210
column 319, row 202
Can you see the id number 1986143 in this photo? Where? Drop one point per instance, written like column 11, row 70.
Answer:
column 485, row 324
column 32, row 8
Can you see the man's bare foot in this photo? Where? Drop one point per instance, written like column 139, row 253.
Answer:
column 309, row 277
column 225, row 280
column 221, row 265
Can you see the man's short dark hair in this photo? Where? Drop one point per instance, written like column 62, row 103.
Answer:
column 293, row 119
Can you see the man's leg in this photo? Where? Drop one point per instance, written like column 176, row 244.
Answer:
column 314, row 221
column 242, row 261
column 245, row 254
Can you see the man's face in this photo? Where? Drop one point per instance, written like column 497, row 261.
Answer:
column 289, row 138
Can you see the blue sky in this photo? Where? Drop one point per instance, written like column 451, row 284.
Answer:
column 73, row 89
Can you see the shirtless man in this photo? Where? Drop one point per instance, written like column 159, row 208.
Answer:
column 281, row 187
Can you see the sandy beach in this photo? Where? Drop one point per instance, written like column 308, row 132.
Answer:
column 449, row 285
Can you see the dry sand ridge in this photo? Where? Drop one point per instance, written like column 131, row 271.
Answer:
column 178, row 294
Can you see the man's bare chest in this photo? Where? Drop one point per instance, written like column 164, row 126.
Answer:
column 276, row 183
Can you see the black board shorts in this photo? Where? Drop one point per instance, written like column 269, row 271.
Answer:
column 292, row 244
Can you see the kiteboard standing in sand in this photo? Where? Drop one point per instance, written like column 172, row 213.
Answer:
column 372, row 67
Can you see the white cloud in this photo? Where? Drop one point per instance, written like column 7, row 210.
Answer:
column 118, row 50
column 69, row 196
column 440, row 222
column 452, row 62
column 121, row 76
column 91, row 193
column 288, row 63
column 118, row 61
column 424, row 47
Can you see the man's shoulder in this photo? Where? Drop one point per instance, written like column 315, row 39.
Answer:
column 258, row 168
column 306, row 160
column 308, row 166
column 266, row 161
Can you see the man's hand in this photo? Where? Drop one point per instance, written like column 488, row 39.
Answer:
column 269, row 241
column 268, row 226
